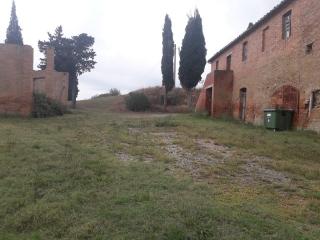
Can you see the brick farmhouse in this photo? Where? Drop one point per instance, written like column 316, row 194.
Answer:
column 18, row 80
column 275, row 63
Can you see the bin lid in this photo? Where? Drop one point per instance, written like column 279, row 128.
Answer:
column 270, row 110
column 278, row 109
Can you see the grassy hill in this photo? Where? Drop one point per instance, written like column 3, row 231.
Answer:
column 177, row 100
column 104, row 173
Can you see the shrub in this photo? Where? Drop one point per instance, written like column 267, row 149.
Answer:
column 176, row 97
column 45, row 107
column 114, row 92
column 137, row 102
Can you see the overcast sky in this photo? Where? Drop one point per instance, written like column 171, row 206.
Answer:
column 128, row 33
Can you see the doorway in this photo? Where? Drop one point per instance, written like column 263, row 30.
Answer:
column 209, row 100
column 243, row 104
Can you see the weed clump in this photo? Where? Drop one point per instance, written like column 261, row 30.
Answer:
column 45, row 107
column 112, row 93
column 137, row 102
column 166, row 122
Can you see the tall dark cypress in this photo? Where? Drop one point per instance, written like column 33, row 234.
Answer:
column 167, row 58
column 14, row 35
column 193, row 55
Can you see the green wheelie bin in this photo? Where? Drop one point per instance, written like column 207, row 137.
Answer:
column 278, row 119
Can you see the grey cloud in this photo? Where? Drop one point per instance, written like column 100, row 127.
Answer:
column 128, row 33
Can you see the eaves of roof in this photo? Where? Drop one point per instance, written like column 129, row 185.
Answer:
column 253, row 28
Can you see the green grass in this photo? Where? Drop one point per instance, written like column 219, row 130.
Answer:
column 61, row 178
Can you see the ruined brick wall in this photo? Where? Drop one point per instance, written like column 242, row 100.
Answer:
column 216, row 96
column 16, row 69
column 282, row 63
column 18, row 81
column 201, row 103
column 50, row 82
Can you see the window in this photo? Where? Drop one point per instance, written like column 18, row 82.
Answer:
column 245, row 51
column 315, row 98
column 217, row 65
column 229, row 62
column 264, row 38
column 309, row 48
column 286, row 25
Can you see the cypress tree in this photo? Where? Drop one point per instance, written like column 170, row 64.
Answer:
column 192, row 56
column 167, row 58
column 14, row 35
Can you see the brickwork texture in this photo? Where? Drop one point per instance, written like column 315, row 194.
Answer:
column 284, row 73
column 18, row 80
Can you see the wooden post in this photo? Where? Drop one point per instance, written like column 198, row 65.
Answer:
column 175, row 65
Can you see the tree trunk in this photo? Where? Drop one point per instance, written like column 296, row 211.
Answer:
column 74, row 101
column 165, row 100
column 73, row 89
column 189, row 99
column 74, row 96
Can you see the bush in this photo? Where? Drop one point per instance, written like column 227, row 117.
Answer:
column 137, row 102
column 176, row 97
column 112, row 93
column 45, row 107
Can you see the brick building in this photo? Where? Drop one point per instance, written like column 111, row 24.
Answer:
column 273, row 64
column 18, row 80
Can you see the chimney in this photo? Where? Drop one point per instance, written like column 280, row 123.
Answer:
column 50, row 59
column 250, row 25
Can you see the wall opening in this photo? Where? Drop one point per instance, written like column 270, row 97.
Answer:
column 287, row 97
column 229, row 59
column 244, row 51
column 209, row 93
column 243, row 104
column 309, row 48
column 264, row 38
column 316, row 99
column 286, row 25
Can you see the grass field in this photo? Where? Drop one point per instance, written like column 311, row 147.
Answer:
column 95, row 174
